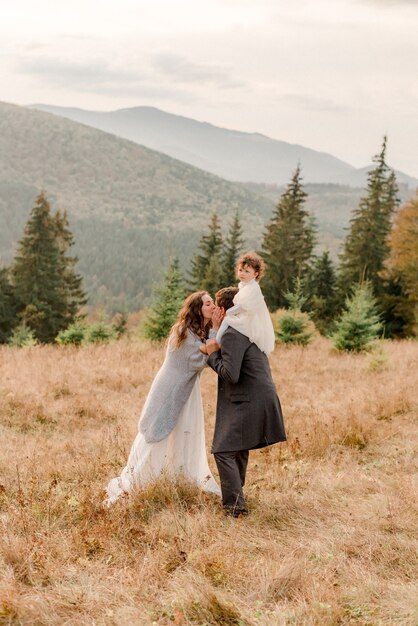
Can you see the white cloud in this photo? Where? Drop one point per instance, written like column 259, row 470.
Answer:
column 334, row 75
column 62, row 71
column 181, row 69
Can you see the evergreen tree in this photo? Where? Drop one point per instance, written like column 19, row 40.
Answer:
column 359, row 325
column 74, row 335
column 366, row 247
column 399, row 314
column 288, row 243
column 8, row 312
column 22, row 337
column 232, row 248
column 168, row 301
column 208, row 256
column 42, row 280
column 213, row 280
column 100, row 332
column 71, row 282
column 294, row 326
column 120, row 323
column 322, row 292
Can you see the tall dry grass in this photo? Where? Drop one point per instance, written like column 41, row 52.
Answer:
column 332, row 534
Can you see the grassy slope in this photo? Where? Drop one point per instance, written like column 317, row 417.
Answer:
column 332, row 534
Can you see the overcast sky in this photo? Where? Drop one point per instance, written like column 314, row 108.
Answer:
column 333, row 75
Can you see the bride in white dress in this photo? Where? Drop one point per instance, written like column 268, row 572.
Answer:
column 171, row 437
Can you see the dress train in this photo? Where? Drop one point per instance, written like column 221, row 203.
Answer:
column 182, row 453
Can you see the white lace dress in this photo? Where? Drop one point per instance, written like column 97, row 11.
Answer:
column 171, row 437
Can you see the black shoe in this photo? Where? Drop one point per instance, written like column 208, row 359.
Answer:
column 234, row 512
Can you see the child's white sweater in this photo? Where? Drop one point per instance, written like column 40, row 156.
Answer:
column 250, row 316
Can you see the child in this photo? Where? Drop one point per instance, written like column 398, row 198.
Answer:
column 250, row 315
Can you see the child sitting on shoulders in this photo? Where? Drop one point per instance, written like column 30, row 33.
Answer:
column 249, row 315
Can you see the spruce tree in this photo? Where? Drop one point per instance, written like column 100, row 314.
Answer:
column 208, row 256
column 213, row 277
column 293, row 326
column 168, row 301
column 232, row 248
column 399, row 315
column 22, row 337
column 359, row 325
column 8, row 312
column 71, row 281
column 322, row 292
column 288, row 243
column 42, row 280
column 366, row 247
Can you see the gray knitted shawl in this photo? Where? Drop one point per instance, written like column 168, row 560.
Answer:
column 171, row 388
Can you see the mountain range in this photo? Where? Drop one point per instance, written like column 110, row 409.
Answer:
column 131, row 208
column 230, row 154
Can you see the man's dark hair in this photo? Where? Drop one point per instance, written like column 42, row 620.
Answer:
column 225, row 297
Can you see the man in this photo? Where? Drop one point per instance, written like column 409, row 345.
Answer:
column 248, row 412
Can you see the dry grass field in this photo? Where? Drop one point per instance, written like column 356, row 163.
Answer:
column 331, row 538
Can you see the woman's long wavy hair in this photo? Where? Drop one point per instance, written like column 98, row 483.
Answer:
column 190, row 317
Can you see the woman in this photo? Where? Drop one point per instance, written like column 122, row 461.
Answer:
column 171, row 437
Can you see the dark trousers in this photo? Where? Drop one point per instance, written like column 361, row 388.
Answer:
column 232, row 467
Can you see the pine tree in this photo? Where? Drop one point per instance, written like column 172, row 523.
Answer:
column 71, row 281
column 399, row 314
column 8, row 311
column 210, row 247
column 232, row 248
column 42, row 280
column 168, row 301
column 213, row 280
column 322, row 292
column 359, row 325
column 366, row 247
column 293, row 326
column 22, row 337
column 288, row 243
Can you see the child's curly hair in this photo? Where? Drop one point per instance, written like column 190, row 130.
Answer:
column 254, row 260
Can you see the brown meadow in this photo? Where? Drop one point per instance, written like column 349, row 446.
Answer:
column 332, row 534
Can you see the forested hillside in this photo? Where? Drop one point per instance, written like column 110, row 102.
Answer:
column 130, row 208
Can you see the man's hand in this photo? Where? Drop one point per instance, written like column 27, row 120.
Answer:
column 217, row 317
column 212, row 346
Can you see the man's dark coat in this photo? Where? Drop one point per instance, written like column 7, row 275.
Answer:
column 248, row 412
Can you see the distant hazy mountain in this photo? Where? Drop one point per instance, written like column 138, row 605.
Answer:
column 130, row 208
column 237, row 156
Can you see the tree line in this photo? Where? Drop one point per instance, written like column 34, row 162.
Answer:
column 377, row 274
column 41, row 292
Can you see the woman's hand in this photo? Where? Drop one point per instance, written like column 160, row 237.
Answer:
column 217, row 317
